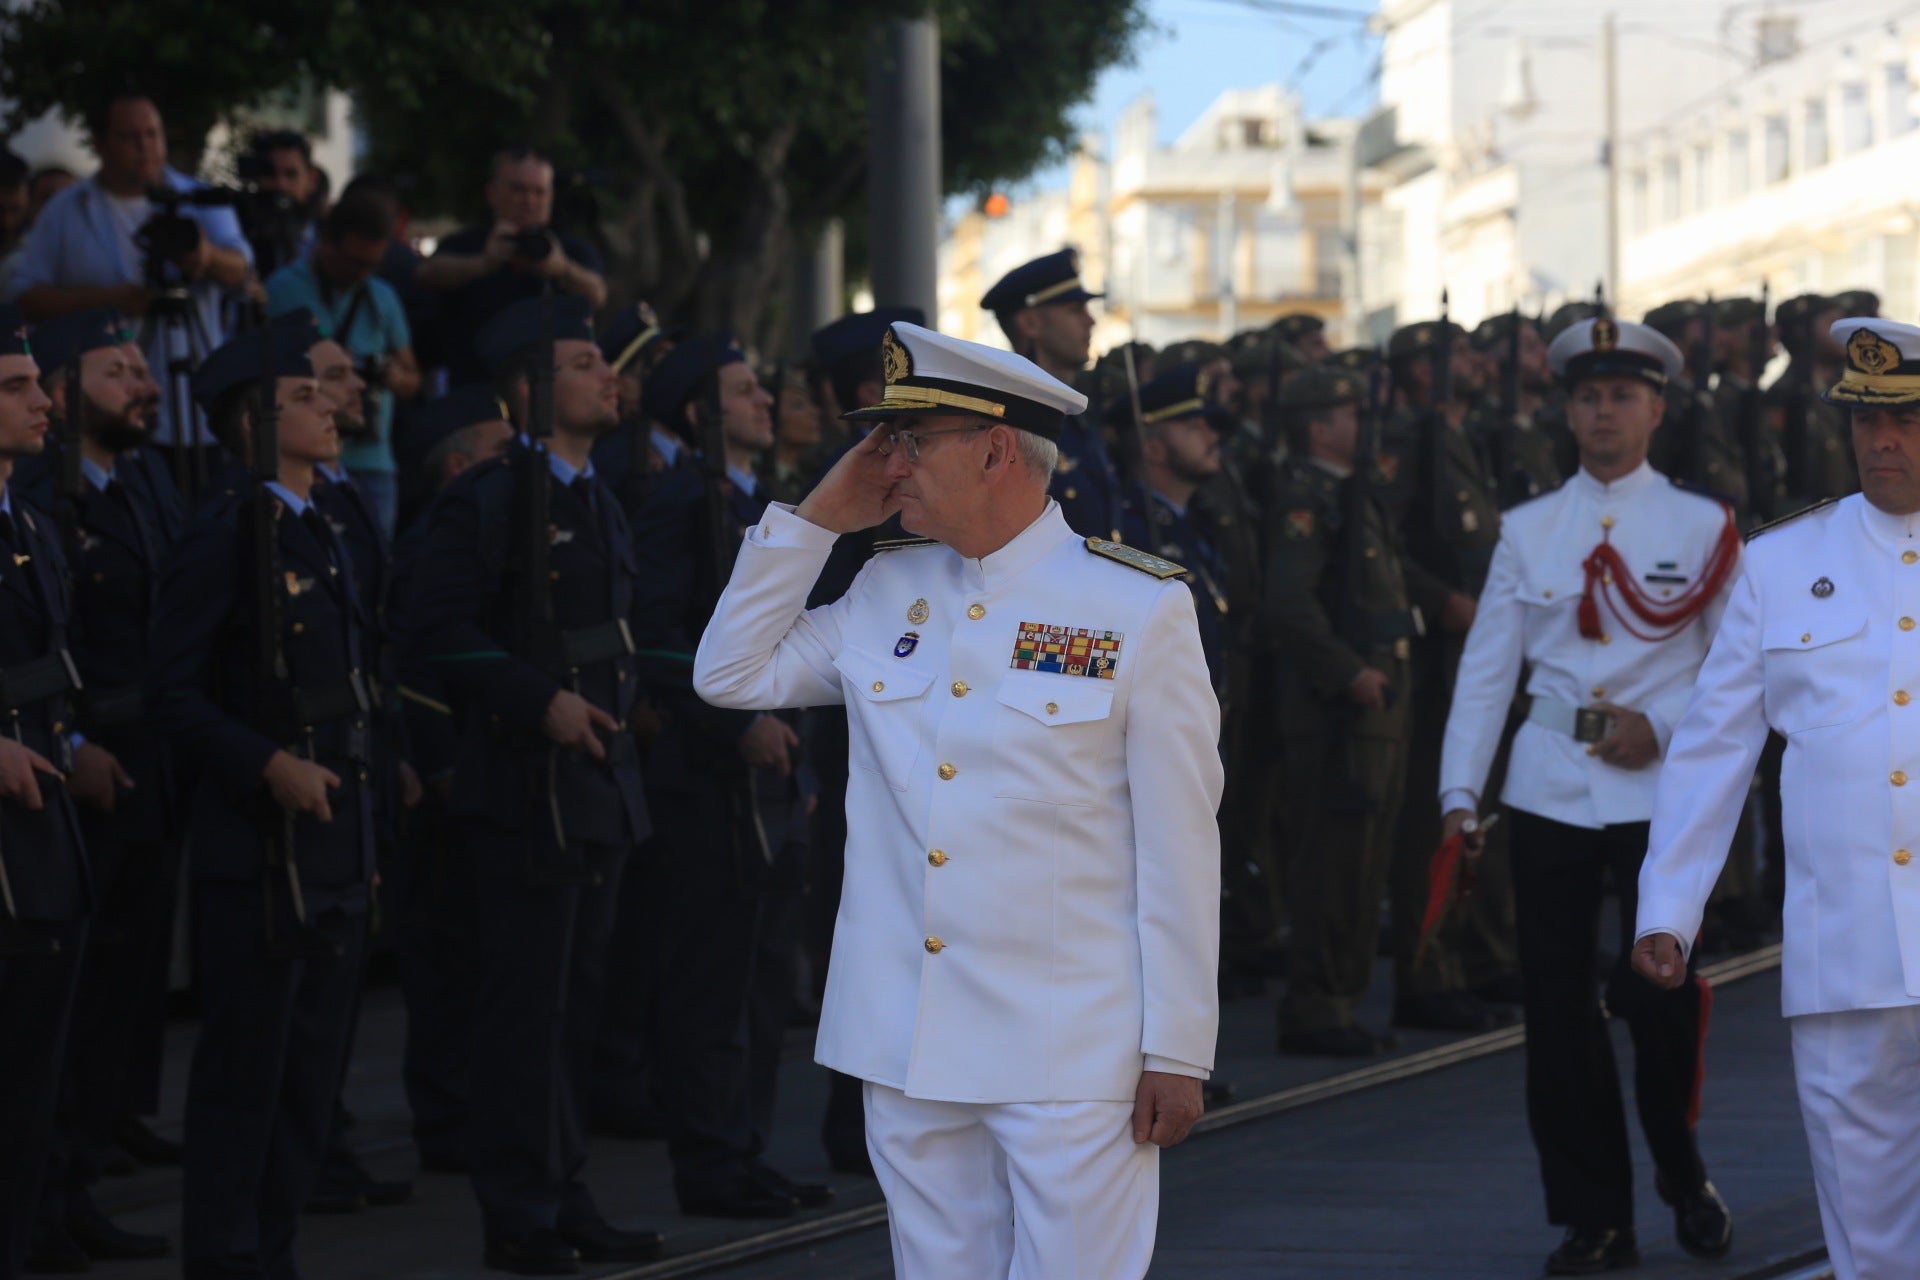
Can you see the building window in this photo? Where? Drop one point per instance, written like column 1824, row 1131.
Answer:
column 1739, row 165
column 1779, row 161
column 1817, row 146
column 1899, row 100
column 1670, row 189
column 1856, row 119
column 1702, row 177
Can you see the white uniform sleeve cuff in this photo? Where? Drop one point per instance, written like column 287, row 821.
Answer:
column 1154, row 1062
column 1457, row 799
column 780, row 527
column 1686, row 943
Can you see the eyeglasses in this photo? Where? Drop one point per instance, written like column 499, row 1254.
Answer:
column 914, row 439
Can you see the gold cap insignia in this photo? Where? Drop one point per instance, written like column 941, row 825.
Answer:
column 1870, row 353
column 1201, row 381
column 893, row 353
column 1606, row 334
column 1422, row 336
column 1342, row 388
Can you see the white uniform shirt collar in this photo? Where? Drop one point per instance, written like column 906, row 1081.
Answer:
column 1629, row 485
column 1886, row 528
column 1028, row 546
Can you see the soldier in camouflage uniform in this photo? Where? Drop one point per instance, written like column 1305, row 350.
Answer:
column 1694, row 444
column 1812, row 433
column 1340, row 603
column 1524, row 460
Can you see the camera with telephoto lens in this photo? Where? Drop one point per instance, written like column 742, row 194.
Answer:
column 168, row 234
column 532, row 244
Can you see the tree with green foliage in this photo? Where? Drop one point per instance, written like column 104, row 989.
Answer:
column 708, row 138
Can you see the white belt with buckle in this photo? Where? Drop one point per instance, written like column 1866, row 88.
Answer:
column 1582, row 724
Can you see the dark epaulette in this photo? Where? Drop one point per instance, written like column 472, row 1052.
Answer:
column 902, row 544
column 1701, row 491
column 1771, row 525
column 1134, row 558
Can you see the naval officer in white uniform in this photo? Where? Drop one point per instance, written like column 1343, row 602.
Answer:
column 1023, row 963
column 1820, row 644
column 1605, row 593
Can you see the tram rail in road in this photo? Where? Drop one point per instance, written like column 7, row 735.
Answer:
column 1808, row 1266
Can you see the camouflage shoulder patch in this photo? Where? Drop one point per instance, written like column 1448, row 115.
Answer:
column 903, row 544
column 1134, row 558
column 1771, row 525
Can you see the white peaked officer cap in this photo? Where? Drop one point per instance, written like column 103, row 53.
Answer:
column 928, row 372
column 1883, row 363
column 1604, row 347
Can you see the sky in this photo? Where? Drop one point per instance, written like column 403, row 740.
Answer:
column 1193, row 49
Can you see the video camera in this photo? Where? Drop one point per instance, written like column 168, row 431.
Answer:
column 168, row 234
column 273, row 221
column 531, row 244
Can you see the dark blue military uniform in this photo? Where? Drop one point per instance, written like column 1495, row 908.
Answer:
column 1171, row 533
column 277, row 1025
column 42, row 854
column 547, row 832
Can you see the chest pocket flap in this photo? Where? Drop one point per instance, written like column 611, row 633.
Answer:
column 1055, row 700
column 873, row 679
column 1817, row 628
column 1546, row 594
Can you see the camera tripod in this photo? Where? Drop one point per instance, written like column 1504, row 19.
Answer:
column 174, row 321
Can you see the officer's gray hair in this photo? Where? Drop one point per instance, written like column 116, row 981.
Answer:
column 1039, row 453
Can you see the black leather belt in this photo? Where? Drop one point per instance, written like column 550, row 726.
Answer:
column 26, row 683
column 600, row 643
column 111, row 708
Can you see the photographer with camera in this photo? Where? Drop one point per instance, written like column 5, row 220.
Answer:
column 285, row 199
column 484, row 270
column 335, row 280
column 136, row 234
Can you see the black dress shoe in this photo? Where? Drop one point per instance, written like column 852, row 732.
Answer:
column 143, row 1144
column 807, row 1195
column 540, row 1253
column 103, row 1241
column 1334, row 1042
column 1702, row 1223
column 850, row 1160
column 742, row 1198
column 1589, row 1251
column 1216, row 1093
column 336, row 1198
column 386, row 1192
column 54, row 1252
column 1448, row 1011
column 115, row 1163
column 602, row 1242
column 433, row 1160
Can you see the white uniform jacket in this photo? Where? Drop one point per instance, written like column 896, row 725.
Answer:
column 1032, row 895
column 1820, row 644
column 1529, row 612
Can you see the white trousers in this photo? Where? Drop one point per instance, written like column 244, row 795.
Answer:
column 1859, row 1079
column 1013, row 1191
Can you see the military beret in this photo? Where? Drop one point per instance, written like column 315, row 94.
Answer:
column 1883, row 363
column 1672, row 318
column 1180, row 392
column 1802, row 309
column 1418, row 339
column 1192, row 351
column 858, row 336
column 1054, row 278
column 13, row 331
column 630, row 333
column 1323, row 386
column 677, row 378
column 1254, row 354
column 516, row 329
column 58, row 341
column 928, row 372
column 1297, row 325
column 1604, row 347
column 1569, row 313
column 1356, row 359
column 435, row 420
column 1858, row 303
column 243, row 360
column 1735, row 313
column 1494, row 330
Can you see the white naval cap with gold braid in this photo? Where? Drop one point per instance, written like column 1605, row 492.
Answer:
column 1883, row 363
column 928, row 372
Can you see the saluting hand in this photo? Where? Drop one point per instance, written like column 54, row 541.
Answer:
column 1658, row 959
column 570, row 722
column 1631, row 743
column 300, row 786
column 1165, row 1108
column 18, row 764
column 857, row 493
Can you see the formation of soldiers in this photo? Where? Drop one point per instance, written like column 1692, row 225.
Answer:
column 480, row 740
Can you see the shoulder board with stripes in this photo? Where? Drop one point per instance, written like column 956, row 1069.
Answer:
column 1771, row 525
column 902, row 544
column 1134, row 558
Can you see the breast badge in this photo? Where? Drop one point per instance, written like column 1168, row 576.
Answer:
column 1067, row 651
column 918, row 613
column 1823, row 587
column 906, row 644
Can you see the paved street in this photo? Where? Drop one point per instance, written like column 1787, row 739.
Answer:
column 1429, row 1176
